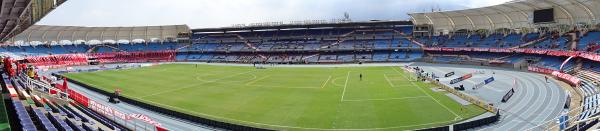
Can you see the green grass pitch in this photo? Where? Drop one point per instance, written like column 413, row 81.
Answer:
column 286, row 98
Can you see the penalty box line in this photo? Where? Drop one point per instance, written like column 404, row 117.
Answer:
column 195, row 85
column 388, row 80
column 385, row 99
column 417, row 86
column 345, row 85
column 256, row 80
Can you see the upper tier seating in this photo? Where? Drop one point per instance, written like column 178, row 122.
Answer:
column 588, row 41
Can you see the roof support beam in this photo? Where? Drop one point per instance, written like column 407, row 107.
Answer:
column 73, row 34
column 492, row 24
column 449, row 20
column 517, row 9
column 58, row 36
column 510, row 21
column 428, row 18
column 44, row 39
column 587, row 10
column 470, row 21
column 413, row 19
column 569, row 16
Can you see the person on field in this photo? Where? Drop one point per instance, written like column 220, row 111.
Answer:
column 360, row 76
column 546, row 78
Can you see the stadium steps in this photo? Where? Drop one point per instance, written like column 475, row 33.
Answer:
column 96, row 48
column 183, row 47
column 92, row 122
column 248, row 43
column 49, row 115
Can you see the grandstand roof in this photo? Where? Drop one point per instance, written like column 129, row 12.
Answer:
column 79, row 34
column 17, row 15
column 300, row 26
column 511, row 15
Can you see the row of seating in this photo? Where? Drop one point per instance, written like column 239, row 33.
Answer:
column 58, row 60
column 280, row 58
column 117, row 57
column 47, row 125
column 591, row 91
column 33, row 112
column 308, row 33
column 25, row 121
column 303, row 46
column 590, row 102
column 588, row 40
column 478, row 40
column 105, row 121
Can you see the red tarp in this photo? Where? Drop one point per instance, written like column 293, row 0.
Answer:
column 562, row 76
column 586, row 55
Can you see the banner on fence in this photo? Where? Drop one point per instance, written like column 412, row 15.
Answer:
column 489, row 80
column 540, row 70
column 567, row 77
column 111, row 112
column 462, row 78
column 485, row 82
column 508, row 95
column 449, row 74
column 582, row 54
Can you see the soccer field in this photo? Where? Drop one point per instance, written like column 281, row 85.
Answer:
column 289, row 98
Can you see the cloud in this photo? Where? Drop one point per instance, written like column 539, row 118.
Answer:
column 220, row 13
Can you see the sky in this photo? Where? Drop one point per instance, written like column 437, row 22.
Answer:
column 224, row 13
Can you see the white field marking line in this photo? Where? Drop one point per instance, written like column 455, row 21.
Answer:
column 333, row 81
column 401, row 74
column 291, row 127
column 263, row 86
column 256, row 80
column 194, row 85
column 199, row 77
column 419, row 87
column 400, row 98
column 388, row 80
column 457, row 118
column 327, row 81
column 345, row 85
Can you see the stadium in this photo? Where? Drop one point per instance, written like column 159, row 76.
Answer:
column 521, row 65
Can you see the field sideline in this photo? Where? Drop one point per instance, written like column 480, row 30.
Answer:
column 289, row 98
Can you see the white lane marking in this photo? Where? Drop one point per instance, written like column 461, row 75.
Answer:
column 345, row 85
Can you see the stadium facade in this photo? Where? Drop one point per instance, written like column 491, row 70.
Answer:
column 557, row 38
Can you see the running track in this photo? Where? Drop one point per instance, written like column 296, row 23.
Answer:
column 533, row 103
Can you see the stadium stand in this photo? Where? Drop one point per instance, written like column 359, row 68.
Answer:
column 354, row 42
